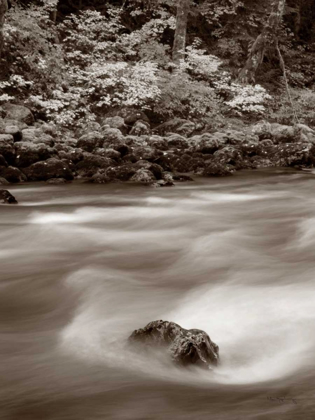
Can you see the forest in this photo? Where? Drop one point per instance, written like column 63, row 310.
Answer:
column 191, row 68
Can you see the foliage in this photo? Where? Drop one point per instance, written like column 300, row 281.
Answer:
column 31, row 50
column 303, row 100
column 118, row 54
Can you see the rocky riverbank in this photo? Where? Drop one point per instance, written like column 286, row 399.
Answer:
column 120, row 149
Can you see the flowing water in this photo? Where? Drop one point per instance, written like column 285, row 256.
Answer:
column 83, row 265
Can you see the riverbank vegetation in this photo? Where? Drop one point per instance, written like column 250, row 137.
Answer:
column 189, row 67
column 72, row 62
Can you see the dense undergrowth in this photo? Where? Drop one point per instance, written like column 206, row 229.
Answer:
column 106, row 58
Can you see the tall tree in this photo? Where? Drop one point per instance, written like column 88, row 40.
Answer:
column 3, row 9
column 267, row 37
column 181, row 30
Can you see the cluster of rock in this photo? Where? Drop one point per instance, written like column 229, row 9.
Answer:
column 185, row 347
column 127, row 149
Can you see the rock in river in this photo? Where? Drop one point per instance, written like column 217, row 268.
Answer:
column 186, row 347
column 7, row 197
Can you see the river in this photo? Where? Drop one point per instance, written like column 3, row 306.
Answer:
column 82, row 265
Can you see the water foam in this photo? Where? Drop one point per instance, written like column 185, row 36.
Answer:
column 264, row 332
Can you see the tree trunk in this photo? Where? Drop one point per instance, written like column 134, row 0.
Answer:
column 180, row 31
column 3, row 9
column 268, row 35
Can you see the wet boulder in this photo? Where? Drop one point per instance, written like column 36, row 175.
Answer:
column 217, row 168
column 185, row 347
column 229, row 155
column 156, row 169
column 256, row 162
column 290, row 154
column 187, row 163
column 100, row 177
column 51, row 168
column 121, row 173
column 7, row 197
column 143, row 176
column 90, row 164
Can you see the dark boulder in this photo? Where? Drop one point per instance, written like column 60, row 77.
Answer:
column 156, row 169
column 90, row 164
column 166, row 161
column 7, row 197
column 28, row 153
column 100, row 177
column 146, row 152
column 3, row 162
column 217, row 168
column 7, row 147
column 143, row 176
column 185, row 347
column 121, row 173
column 51, row 168
column 229, row 155
column 186, row 163
column 12, row 174
column 290, row 154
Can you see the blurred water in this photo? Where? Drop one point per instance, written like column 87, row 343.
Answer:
column 83, row 265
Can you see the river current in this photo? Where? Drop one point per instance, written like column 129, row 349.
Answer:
column 82, row 266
